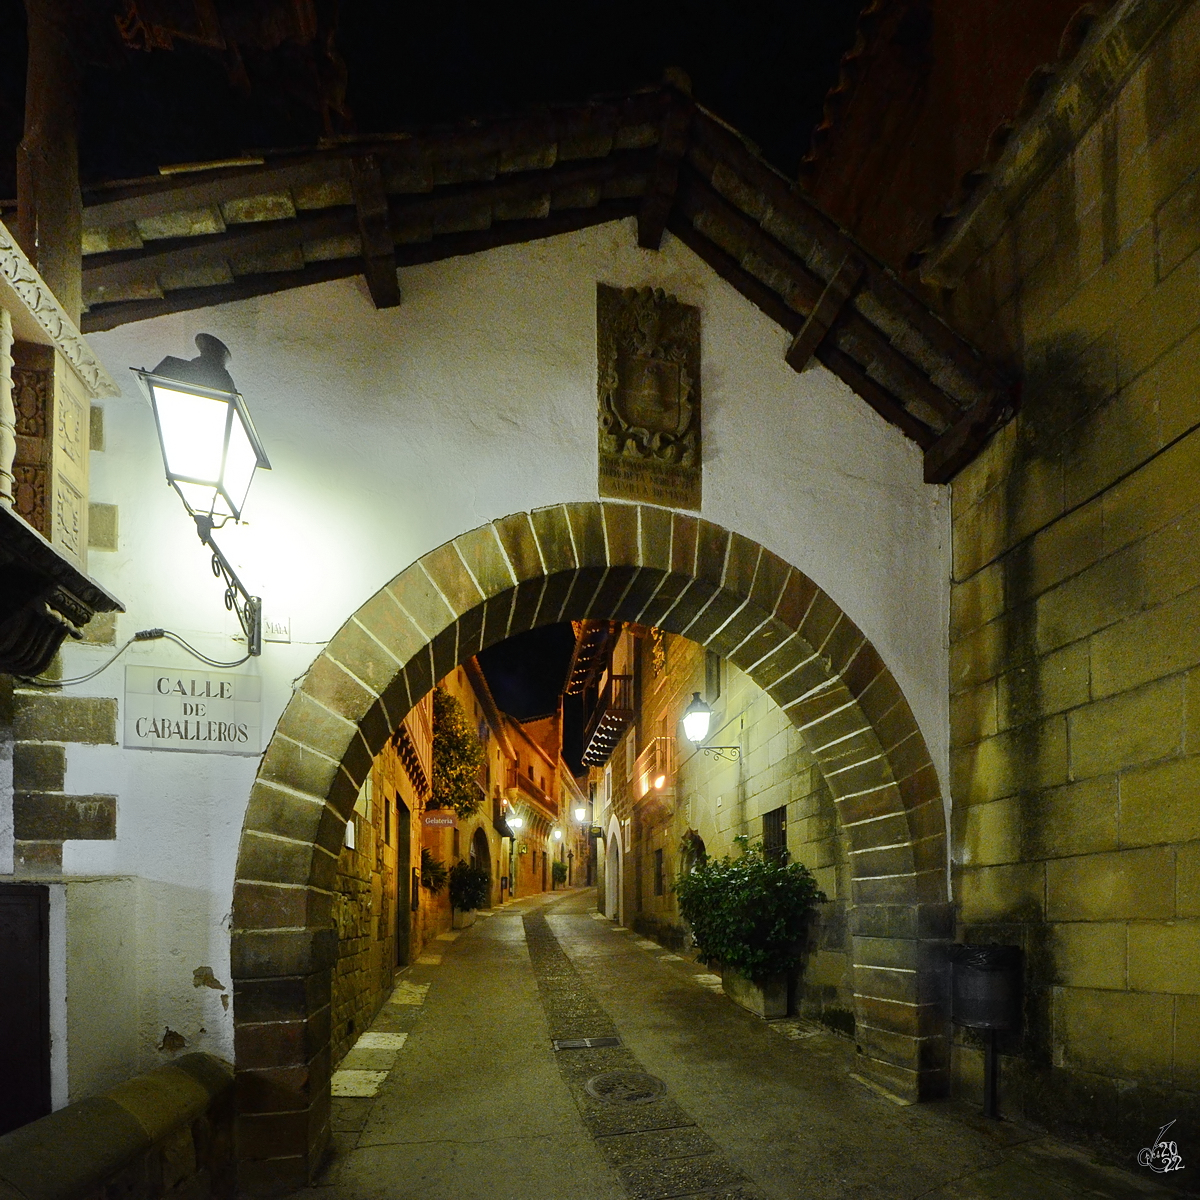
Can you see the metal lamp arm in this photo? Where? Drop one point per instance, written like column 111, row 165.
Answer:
column 237, row 599
column 728, row 753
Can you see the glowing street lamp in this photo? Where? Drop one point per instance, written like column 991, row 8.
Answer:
column 210, row 451
column 696, row 719
column 558, row 835
column 515, row 822
column 580, row 813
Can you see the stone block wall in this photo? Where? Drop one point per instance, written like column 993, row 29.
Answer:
column 1075, row 606
column 722, row 800
column 44, row 724
column 365, row 913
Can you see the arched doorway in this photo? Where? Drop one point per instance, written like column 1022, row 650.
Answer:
column 610, row 561
column 612, row 878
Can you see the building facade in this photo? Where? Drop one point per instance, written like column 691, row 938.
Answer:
column 668, row 804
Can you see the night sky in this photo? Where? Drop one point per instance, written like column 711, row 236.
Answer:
column 763, row 65
column 526, row 674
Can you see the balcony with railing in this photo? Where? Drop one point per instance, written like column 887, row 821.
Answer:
column 653, row 778
column 520, row 783
column 609, row 720
column 413, row 741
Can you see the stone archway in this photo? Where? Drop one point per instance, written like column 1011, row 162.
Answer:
column 587, row 560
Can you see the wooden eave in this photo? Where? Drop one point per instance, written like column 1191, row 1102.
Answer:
column 193, row 240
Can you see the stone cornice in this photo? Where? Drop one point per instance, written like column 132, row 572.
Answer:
column 1071, row 104
column 19, row 277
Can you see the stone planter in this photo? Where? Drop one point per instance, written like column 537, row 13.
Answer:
column 767, row 998
column 462, row 920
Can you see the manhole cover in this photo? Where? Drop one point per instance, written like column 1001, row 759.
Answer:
column 625, row 1087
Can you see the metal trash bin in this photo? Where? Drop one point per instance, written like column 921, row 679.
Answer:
column 986, row 995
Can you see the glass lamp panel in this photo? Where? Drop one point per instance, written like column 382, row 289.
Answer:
column 193, row 434
column 240, row 461
column 695, row 726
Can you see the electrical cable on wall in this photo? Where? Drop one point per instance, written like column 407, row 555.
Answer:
column 143, row 635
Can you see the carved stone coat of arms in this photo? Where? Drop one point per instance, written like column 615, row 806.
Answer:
column 648, row 378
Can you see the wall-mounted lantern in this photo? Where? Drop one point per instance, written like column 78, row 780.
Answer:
column 210, row 451
column 580, row 814
column 696, row 719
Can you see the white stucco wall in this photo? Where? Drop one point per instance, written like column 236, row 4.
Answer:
column 391, row 432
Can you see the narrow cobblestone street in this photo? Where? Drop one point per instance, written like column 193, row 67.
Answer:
column 471, row 1099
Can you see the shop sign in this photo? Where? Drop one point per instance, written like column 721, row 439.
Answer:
column 204, row 712
column 444, row 820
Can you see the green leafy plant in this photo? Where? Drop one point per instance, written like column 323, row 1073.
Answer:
column 433, row 871
column 750, row 913
column 558, row 872
column 470, row 887
column 457, row 757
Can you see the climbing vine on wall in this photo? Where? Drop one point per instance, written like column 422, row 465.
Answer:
column 457, row 757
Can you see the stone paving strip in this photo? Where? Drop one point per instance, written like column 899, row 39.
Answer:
column 361, row 1073
column 429, row 960
column 408, row 993
column 655, row 1147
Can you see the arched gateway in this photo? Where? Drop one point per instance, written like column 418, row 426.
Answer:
column 588, row 560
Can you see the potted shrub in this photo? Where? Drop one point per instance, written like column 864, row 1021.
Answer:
column 558, row 873
column 751, row 915
column 469, row 890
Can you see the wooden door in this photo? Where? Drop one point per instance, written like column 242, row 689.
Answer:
column 24, row 1005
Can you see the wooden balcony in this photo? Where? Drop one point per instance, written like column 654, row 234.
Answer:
column 524, row 786
column 609, row 720
column 654, row 770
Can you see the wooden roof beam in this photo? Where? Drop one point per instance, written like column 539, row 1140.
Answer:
column 714, row 145
column 710, row 211
column 770, row 302
column 664, row 179
column 826, row 310
column 378, row 255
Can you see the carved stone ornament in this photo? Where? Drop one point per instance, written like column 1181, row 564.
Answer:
column 648, row 380
column 20, row 275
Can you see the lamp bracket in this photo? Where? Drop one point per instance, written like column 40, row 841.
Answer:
column 248, row 608
column 728, row 753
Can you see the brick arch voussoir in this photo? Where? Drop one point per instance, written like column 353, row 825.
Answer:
column 603, row 560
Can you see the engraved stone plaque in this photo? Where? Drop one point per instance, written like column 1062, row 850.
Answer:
column 648, row 382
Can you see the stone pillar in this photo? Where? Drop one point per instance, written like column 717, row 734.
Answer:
column 901, row 985
column 49, row 203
